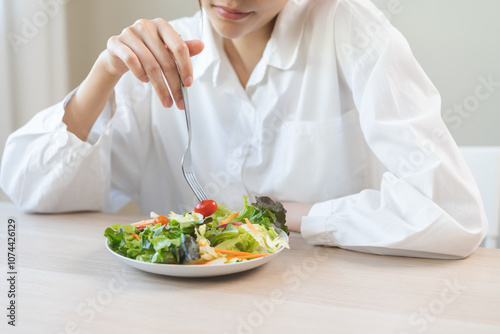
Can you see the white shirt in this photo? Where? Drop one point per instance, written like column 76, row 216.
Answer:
column 337, row 113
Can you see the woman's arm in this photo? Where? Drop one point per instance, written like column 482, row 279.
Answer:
column 428, row 204
column 84, row 108
column 46, row 168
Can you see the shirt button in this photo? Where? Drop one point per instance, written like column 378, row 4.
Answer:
column 237, row 152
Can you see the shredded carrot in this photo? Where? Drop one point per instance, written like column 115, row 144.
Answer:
column 225, row 251
column 252, row 227
column 237, row 253
column 144, row 223
column 136, row 236
column 228, row 219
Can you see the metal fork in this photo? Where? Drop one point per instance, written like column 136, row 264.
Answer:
column 187, row 163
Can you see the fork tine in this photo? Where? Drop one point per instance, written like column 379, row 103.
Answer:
column 195, row 185
column 200, row 193
column 196, row 189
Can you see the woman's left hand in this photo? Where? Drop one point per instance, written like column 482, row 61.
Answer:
column 294, row 213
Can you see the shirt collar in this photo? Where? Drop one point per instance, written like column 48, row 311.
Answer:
column 281, row 51
column 283, row 47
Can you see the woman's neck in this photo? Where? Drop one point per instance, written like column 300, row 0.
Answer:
column 245, row 52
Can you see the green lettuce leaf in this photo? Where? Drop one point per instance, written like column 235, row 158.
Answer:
column 266, row 212
column 222, row 213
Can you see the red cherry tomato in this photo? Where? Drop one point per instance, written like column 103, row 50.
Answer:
column 206, row 207
column 162, row 220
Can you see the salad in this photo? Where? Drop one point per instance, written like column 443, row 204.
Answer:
column 210, row 234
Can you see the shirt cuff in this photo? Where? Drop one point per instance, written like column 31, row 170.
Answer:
column 317, row 227
column 102, row 122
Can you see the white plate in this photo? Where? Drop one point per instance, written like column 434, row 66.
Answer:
column 186, row 270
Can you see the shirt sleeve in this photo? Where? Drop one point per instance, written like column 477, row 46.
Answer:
column 428, row 204
column 46, row 168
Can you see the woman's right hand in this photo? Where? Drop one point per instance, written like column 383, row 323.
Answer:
column 152, row 50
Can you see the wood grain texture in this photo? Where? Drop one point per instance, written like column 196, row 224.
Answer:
column 69, row 283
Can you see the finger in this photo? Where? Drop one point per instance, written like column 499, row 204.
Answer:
column 150, row 65
column 121, row 51
column 174, row 82
column 164, row 57
column 178, row 49
column 195, row 47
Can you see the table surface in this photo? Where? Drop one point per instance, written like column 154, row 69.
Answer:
column 67, row 282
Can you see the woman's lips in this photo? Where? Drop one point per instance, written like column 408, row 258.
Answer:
column 231, row 14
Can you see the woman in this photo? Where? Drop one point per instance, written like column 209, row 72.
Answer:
column 318, row 104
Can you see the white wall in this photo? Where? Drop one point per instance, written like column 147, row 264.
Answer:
column 457, row 42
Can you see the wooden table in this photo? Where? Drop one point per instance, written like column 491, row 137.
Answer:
column 67, row 282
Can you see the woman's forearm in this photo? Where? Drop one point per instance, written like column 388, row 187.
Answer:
column 84, row 108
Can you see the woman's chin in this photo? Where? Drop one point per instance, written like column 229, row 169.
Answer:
column 229, row 31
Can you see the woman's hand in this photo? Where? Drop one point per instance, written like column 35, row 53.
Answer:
column 294, row 214
column 152, row 50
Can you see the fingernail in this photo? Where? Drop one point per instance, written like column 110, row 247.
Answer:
column 167, row 103
column 180, row 104
column 146, row 79
column 188, row 81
